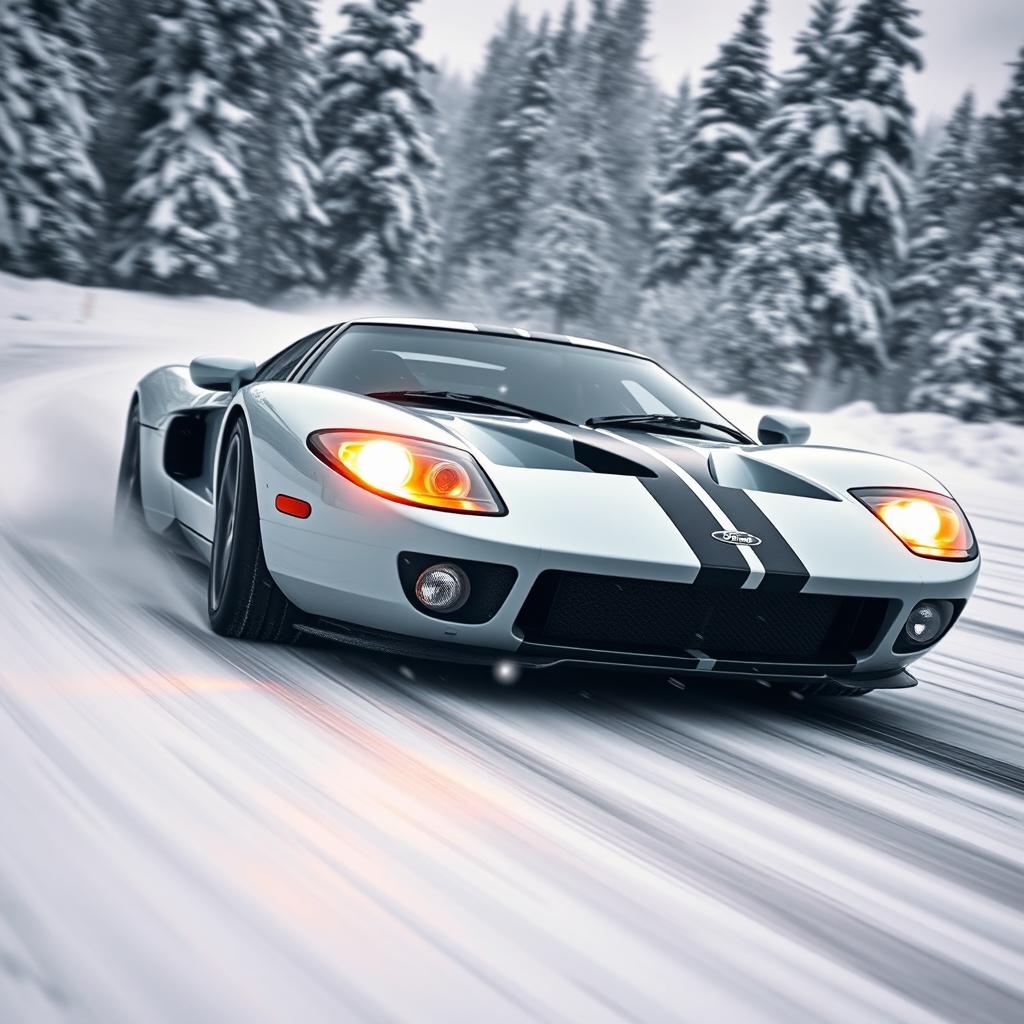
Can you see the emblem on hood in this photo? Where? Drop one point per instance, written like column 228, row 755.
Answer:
column 738, row 537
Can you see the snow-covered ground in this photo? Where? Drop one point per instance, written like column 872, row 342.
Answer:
column 202, row 830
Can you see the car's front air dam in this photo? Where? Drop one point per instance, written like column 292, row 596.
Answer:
column 539, row 656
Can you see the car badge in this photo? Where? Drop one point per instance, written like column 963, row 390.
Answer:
column 738, row 537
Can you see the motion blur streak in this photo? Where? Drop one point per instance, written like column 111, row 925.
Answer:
column 204, row 830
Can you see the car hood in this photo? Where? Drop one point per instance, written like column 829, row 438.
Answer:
column 817, row 472
column 605, row 500
column 794, row 501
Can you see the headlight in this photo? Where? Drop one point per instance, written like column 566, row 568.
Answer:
column 408, row 470
column 929, row 524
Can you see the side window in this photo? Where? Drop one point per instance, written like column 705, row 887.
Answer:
column 278, row 367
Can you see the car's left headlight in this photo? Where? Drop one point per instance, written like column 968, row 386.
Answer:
column 409, row 470
column 930, row 524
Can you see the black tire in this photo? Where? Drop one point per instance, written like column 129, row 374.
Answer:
column 242, row 598
column 128, row 516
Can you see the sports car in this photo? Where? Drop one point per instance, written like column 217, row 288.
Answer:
column 523, row 499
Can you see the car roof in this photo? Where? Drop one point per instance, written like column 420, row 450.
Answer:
column 510, row 332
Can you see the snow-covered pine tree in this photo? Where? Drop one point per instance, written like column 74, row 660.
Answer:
column 376, row 156
column 673, row 131
column 973, row 367
column 295, row 258
column 372, row 284
column 790, row 302
column 481, row 173
column 50, row 81
column 221, row 196
column 536, row 99
column 872, row 160
column 624, row 92
column 184, row 218
column 794, row 308
column 450, row 95
column 566, row 270
column 671, row 317
column 942, row 219
column 122, row 29
column 510, row 162
column 21, row 194
column 763, row 337
column 563, row 262
column 626, row 104
column 565, row 37
column 282, row 219
column 672, row 192
column 1001, row 183
column 703, row 192
column 801, row 135
column 475, row 295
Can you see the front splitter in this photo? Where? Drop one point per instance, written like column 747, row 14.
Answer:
column 541, row 656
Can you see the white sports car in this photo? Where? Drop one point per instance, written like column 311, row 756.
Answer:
column 494, row 495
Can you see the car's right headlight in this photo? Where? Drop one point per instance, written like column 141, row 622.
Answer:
column 409, row 470
column 930, row 524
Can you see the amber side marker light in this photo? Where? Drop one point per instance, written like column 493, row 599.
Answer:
column 293, row 506
column 930, row 524
column 409, row 470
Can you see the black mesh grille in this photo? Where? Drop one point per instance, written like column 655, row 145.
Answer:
column 614, row 613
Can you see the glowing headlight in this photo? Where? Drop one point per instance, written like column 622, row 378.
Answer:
column 448, row 479
column 386, row 465
column 929, row 524
column 409, row 470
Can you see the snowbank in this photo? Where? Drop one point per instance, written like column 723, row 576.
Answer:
column 37, row 307
column 950, row 446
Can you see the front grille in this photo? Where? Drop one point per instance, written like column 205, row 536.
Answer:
column 611, row 613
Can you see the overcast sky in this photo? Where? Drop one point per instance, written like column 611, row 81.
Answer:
column 966, row 42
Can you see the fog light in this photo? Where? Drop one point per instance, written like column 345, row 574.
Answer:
column 925, row 623
column 442, row 588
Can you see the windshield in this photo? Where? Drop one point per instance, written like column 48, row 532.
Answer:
column 567, row 381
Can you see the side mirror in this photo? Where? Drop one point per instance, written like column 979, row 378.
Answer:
column 783, row 430
column 221, row 373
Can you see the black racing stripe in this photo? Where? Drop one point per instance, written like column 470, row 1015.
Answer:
column 721, row 565
column 782, row 566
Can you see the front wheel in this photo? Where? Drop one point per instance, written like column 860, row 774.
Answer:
column 128, row 515
column 242, row 598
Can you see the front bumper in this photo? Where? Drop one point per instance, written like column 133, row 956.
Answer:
column 341, row 565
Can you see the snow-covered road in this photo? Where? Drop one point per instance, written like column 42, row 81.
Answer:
column 194, row 829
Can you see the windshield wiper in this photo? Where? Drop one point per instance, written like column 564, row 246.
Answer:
column 671, row 424
column 477, row 401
